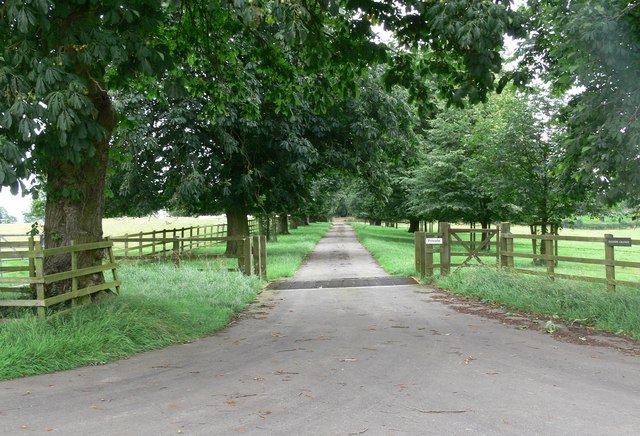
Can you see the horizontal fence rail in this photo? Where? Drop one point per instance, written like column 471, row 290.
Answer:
column 514, row 251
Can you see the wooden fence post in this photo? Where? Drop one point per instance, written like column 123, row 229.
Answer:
column 164, row 242
column 114, row 270
column 428, row 260
column 548, row 252
column 263, row 256
column 140, row 246
column 74, row 279
column 419, row 238
column 32, row 263
column 176, row 251
column 506, row 246
column 255, row 255
column 245, row 257
column 126, row 245
column 38, row 255
column 610, row 267
column 445, row 249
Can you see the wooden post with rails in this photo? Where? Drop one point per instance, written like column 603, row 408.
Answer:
column 610, row 268
column 445, row 249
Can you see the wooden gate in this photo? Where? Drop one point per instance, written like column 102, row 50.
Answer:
column 451, row 243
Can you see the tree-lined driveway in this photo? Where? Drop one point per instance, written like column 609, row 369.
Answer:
column 374, row 360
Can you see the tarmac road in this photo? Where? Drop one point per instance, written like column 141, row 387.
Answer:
column 376, row 360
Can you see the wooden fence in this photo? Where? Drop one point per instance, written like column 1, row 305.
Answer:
column 252, row 250
column 501, row 245
column 160, row 242
column 607, row 260
column 26, row 275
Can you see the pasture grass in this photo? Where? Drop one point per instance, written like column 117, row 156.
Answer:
column 160, row 305
column 617, row 312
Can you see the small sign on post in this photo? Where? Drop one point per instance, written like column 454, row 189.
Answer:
column 434, row 241
column 619, row 242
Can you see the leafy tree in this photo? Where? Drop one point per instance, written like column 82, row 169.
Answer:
column 37, row 211
column 58, row 61
column 591, row 48
column 5, row 218
column 444, row 186
column 61, row 58
column 499, row 161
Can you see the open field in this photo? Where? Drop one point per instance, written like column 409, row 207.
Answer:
column 121, row 226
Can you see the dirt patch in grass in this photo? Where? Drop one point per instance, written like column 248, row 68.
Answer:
column 573, row 332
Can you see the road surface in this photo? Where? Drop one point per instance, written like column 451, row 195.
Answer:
column 372, row 360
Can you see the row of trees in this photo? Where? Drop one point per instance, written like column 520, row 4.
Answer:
column 262, row 106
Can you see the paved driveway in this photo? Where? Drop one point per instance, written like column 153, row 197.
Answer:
column 376, row 360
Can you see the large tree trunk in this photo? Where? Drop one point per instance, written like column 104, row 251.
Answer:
column 237, row 225
column 283, row 224
column 75, row 201
column 414, row 225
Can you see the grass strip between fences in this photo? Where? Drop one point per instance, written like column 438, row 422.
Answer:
column 617, row 312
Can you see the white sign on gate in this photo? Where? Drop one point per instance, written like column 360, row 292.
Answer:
column 434, row 241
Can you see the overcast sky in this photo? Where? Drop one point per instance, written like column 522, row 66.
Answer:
column 14, row 204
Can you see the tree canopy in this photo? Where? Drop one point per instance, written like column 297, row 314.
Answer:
column 592, row 49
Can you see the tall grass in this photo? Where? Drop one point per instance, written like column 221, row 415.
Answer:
column 160, row 305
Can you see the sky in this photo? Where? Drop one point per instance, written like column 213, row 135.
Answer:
column 14, row 204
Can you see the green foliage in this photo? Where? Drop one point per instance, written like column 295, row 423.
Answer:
column 37, row 211
column 591, row 48
column 503, row 160
column 53, row 63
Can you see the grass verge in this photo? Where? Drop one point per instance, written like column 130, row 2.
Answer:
column 392, row 248
column 160, row 305
column 617, row 312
